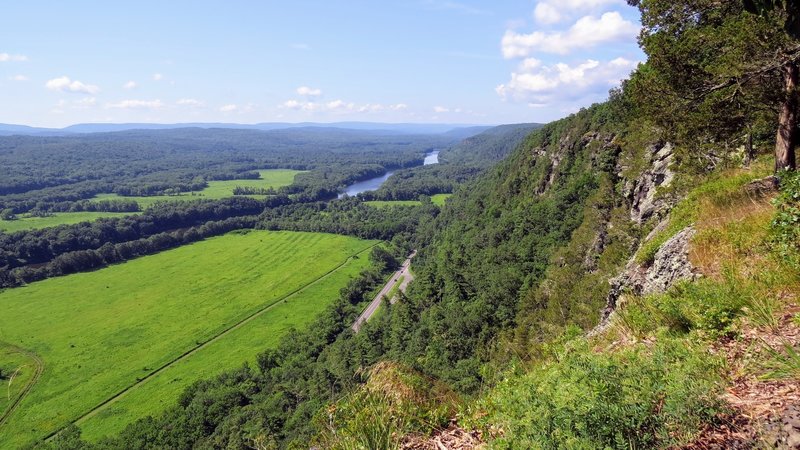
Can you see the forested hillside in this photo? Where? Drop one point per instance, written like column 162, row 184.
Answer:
column 458, row 164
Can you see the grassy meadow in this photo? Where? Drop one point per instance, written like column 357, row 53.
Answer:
column 31, row 223
column 100, row 333
column 274, row 178
column 437, row 200
column 18, row 370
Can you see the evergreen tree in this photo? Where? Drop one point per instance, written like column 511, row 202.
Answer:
column 722, row 70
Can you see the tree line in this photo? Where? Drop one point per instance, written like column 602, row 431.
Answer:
column 34, row 254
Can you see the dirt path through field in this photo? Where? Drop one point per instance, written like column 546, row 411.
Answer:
column 39, row 368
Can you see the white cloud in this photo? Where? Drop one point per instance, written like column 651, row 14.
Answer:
column 130, row 85
column 371, row 108
column 301, row 46
column 540, row 85
column 229, row 108
column 157, row 77
column 291, row 104
column 18, row 78
column 398, row 107
column 64, row 84
column 587, row 32
column 339, row 104
column 137, row 104
column 546, row 13
column 5, row 57
column 440, row 109
column 190, row 102
column 306, row 91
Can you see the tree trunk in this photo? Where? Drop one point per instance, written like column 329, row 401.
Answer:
column 749, row 154
column 787, row 122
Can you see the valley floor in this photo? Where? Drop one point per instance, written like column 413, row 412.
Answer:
column 123, row 342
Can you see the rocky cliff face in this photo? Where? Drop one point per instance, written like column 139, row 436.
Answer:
column 641, row 192
column 670, row 266
column 671, row 262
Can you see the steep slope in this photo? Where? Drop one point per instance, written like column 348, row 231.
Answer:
column 483, row 258
column 488, row 147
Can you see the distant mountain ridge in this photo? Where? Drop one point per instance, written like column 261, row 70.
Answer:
column 459, row 130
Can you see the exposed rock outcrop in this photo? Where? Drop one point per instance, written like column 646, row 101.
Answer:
column 670, row 265
column 641, row 192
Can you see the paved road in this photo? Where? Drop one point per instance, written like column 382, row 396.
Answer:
column 373, row 306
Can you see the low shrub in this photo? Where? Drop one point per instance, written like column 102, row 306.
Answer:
column 785, row 226
column 394, row 402
column 638, row 397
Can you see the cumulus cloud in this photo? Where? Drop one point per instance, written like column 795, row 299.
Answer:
column 137, row 104
column 190, row 102
column 339, row 104
column 587, row 32
column 291, row 104
column 229, row 108
column 5, row 57
column 130, row 85
column 546, row 13
column 539, row 84
column 64, row 84
column 18, row 78
column 158, row 77
column 306, row 91
column 440, row 109
column 398, row 107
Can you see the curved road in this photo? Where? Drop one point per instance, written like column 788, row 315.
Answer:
column 393, row 281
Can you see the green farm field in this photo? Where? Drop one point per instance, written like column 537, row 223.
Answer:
column 149, row 327
column 217, row 189
column 31, row 223
column 437, row 200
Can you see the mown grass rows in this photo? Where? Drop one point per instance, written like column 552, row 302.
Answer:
column 99, row 332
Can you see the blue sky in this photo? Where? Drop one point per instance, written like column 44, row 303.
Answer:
column 463, row 61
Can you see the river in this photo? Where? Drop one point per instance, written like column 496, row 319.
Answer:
column 375, row 183
column 431, row 158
